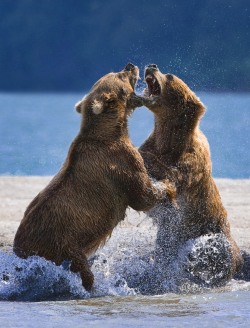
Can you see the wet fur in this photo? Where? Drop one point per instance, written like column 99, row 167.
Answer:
column 179, row 151
column 102, row 175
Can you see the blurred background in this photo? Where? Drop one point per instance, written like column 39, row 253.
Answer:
column 67, row 45
column 52, row 51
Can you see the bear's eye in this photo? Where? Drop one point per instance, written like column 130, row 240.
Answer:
column 110, row 101
column 109, row 97
column 170, row 77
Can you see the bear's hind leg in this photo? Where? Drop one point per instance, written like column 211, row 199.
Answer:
column 209, row 261
column 80, row 264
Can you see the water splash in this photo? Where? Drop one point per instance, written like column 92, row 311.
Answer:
column 36, row 279
column 125, row 266
column 140, row 86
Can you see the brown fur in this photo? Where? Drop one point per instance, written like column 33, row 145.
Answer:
column 102, row 175
column 179, row 151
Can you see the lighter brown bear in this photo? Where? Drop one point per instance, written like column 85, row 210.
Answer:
column 177, row 150
column 102, row 175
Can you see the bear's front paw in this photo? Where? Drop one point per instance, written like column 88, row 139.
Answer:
column 135, row 101
column 151, row 101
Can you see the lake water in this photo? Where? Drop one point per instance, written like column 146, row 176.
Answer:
column 35, row 132
column 208, row 310
column 37, row 129
column 36, row 293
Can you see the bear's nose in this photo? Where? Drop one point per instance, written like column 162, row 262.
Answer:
column 154, row 66
column 129, row 67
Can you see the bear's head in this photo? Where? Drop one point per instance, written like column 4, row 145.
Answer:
column 110, row 101
column 169, row 95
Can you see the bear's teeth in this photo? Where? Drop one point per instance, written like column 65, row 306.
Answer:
column 148, row 77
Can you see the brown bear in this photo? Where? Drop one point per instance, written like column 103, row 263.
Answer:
column 102, row 175
column 177, row 150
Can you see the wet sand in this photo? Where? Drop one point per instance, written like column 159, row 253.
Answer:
column 17, row 192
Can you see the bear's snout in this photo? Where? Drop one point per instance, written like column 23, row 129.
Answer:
column 153, row 66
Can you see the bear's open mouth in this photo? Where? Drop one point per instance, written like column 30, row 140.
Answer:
column 154, row 88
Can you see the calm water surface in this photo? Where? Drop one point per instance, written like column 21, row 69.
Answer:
column 227, row 309
column 37, row 129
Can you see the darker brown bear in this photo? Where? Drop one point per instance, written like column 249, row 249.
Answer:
column 102, row 175
column 179, row 151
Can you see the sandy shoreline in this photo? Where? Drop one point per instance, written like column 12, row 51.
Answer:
column 16, row 192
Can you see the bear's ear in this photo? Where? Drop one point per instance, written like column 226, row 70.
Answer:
column 97, row 106
column 78, row 106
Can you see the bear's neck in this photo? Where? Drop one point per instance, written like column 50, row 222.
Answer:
column 172, row 136
column 104, row 131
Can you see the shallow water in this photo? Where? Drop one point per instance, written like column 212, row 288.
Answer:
column 36, row 293
column 217, row 309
